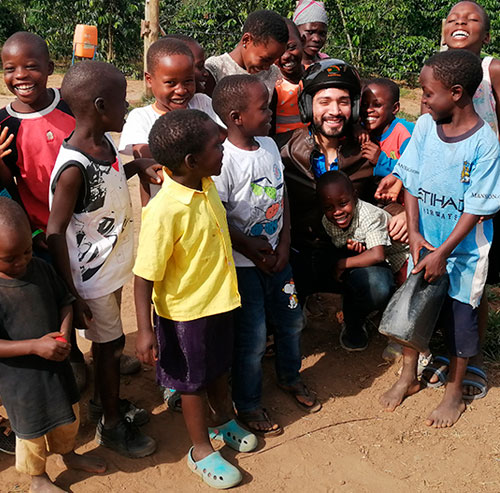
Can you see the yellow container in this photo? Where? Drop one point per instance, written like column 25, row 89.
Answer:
column 85, row 41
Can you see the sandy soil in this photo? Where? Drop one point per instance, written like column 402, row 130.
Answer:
column 350, row 446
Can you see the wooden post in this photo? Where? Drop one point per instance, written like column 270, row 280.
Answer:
column 150, row 28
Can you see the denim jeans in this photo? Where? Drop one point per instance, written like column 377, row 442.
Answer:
column 366, row 289
column 272, row 297
column 313, row 270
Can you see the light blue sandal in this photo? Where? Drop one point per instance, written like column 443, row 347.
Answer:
column 233, row 435
column 216, row 471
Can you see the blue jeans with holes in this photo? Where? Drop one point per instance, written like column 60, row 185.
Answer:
column 272, row 297
column 365, row 289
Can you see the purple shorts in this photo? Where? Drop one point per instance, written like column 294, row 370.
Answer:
column 193, row 354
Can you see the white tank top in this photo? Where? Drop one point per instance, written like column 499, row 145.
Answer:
column 484, row 100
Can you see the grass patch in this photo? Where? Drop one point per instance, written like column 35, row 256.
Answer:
column 407, row 116
column 491, row 346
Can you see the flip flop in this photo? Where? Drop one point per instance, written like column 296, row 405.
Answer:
column 434, row 369
column 233, row 435
column 216, row 471
column 483, row 387
column 300, row 389
column 259, row 416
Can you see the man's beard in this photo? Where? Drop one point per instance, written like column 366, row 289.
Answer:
column 330, row 132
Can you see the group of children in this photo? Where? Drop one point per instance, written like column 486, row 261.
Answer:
column 213, row 253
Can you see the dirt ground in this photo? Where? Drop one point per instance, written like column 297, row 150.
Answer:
column 351, row 446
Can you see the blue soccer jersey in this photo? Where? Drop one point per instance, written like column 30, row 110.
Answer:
column 449, row 176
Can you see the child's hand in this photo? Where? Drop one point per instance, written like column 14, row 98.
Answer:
column 5, row 142
column 282, row 254
column 360, row 134
column 355, row 246
column 434, row 264
column 146, row 347
column 152, row 174
column 370, row 151
column 417, row 242
column 82, row 315
column 397, row 228
column 259, row 251
column 388, row 189
column 48, row 348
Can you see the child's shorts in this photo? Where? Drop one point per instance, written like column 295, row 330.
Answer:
column 106, row 324
column 31, row 454
column 193, row 354
column 460, row 323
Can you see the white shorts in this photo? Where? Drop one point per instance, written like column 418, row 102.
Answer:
column 106, row 323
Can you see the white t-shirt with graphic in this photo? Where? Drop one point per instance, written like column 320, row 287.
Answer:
column 251, row 187
column 140, row 121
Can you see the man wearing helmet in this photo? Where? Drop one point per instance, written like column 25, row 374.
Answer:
column 329, row 102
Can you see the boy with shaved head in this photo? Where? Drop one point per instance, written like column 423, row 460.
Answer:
column 36, row 382
column 39, row 120
column 90, row 236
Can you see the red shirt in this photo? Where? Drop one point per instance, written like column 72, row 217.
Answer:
column 37, row 139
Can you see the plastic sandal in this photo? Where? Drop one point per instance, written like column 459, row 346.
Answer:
column 433, row 369
column 300, row 390
column 216, row 471
column 233, row 435
column 483, row 387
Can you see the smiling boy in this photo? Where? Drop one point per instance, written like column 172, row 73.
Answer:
column 451, row 172
column 251, row 187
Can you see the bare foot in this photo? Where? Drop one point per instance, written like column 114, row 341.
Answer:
column 42, row 484
column 448, row 411
column 391, row 399
column 86, row 463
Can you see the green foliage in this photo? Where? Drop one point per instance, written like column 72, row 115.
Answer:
column 491, row 346
column 216, row 24
column 390, row 38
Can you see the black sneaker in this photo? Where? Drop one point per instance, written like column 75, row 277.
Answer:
column 134, row 414
column 353, row 340
column 126, row 439
column 7, row 440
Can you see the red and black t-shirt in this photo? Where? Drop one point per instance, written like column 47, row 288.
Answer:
column 37, row 139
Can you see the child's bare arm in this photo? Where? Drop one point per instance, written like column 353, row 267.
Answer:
column 372, row 256
column 282, row 251
column 146, row 346
column 66, row 316
column 142, row 150
column 63, row 205
column 416, row 240
column 495, row 84
column 46, row 347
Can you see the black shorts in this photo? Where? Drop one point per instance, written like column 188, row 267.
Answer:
column 460, row 323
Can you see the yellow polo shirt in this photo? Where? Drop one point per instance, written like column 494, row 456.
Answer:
column 185, row 249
